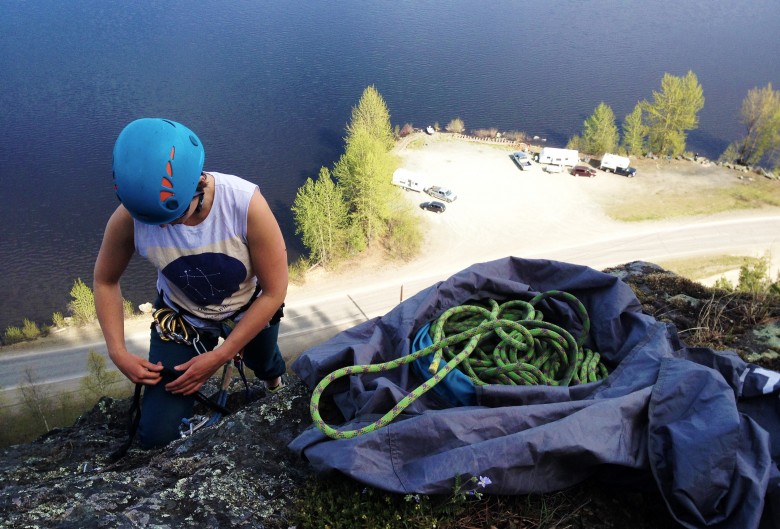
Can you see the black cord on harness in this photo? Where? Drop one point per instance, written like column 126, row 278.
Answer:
column 135, row 412
column 171, row 326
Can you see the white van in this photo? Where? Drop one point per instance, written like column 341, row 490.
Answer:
column 617, row 164
column 409, row 180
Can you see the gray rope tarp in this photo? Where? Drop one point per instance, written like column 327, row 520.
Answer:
column 700, row 425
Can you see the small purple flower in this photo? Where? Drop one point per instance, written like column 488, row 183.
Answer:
column 484, row 481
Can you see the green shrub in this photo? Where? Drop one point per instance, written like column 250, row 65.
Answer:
column 723, row 284
column 83, row 304
column 517, row 136
column 404, row 238
column 127, row 308
column 754, row 276
column 296, row 272
column 30, row 330
column 100, row 381
column 485, row 133
column 13, row 335
column 456, row 126
column 730, row 155
column 58, row 320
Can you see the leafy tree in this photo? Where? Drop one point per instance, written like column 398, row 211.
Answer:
column 600, row 134
column 634, row 132
column 321, row 217
column 674, row 111
column 760, row 114
column 371, row 116
column 365, row 173
column 34, row 397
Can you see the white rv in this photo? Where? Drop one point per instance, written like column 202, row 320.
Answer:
column 409, row 180
column 617, row 164
column 554, row 156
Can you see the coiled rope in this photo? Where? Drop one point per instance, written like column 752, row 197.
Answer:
column 507, row 343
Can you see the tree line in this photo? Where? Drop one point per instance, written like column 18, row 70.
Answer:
column 660, row 126
column 355, row 206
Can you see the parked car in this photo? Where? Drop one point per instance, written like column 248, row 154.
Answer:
column 628, row 172
column 442, row 193
column 553, row 168
column 581, row 170
column 434, row 205
column 522, row 160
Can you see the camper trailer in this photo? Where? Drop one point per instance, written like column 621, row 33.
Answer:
column 409, row 180
column 553, row 156
column 617, row 164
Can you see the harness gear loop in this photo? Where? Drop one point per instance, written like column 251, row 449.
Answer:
column 172, row 327
column 505, row 343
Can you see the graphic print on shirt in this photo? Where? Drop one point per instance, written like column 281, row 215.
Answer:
column 207, row 278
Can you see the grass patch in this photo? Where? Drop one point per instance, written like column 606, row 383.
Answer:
column 340, row 502
column 696, row 268
column 417, row 143
column 667, row 204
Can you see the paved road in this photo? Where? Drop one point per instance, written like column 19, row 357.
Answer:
column 310, row 322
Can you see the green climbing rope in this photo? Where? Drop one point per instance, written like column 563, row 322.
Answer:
column 507, row 343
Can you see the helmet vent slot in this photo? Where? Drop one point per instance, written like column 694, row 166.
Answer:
column 172, row 204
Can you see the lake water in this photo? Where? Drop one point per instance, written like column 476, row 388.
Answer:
column 268, row 86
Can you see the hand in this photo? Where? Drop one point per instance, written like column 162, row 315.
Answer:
column 196, row 372
column 138, row 370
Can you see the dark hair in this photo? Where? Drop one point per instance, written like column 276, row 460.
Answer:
column 202, row 184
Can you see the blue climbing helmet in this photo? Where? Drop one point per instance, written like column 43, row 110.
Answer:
column 157, row 166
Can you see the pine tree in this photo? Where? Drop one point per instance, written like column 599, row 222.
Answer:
column 371, row 115
column 321, row 218
column 600, row 134
column 674, row 111
column 365, row 173
column 634, row 132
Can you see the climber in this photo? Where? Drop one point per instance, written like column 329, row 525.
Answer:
column 221, row 271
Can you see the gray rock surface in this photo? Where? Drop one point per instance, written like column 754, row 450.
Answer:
column 239, row 473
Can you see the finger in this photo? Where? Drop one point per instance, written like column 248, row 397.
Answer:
column 153, row 367
column 176, row 386
column 184, row 366
column 150, row 377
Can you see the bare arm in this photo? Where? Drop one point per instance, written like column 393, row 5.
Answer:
column 268, row 254
column 115, row 252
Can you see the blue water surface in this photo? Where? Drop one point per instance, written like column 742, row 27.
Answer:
column 268, row 86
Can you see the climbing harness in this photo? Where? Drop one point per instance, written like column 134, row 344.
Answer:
column 507, row 343
column 172, row 327
column 135, row 412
